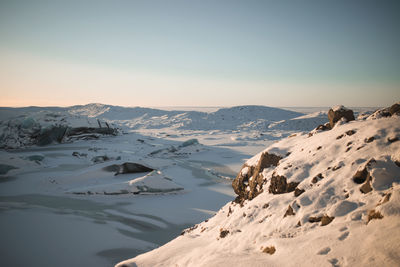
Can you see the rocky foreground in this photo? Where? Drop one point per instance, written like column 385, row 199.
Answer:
column 330, row 197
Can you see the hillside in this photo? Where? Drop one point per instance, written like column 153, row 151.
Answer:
column 24, row 127
column 330, row 197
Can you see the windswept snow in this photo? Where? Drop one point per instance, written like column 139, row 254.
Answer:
column 67, row 192
column 329, row 220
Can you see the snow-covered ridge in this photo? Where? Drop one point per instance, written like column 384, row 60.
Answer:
column 328, row 198
column 19, row 127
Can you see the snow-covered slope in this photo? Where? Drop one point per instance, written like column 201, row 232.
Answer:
column 222, row 119
column 20, row 127
column 328, row 198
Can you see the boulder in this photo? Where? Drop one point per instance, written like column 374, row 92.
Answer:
column 363, row 177
column 252, row 176
column 289, row 212
column 279, row 185
column 325, row 220
column 395, row 109
column 270, row 250
column 127, row 167
column 339, row 112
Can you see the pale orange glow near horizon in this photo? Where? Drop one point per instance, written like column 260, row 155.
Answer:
column 27, row 80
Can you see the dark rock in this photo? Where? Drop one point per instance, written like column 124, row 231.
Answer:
column 270, row 250
column 393, row 139
column 373, row 215
column 385, row 199
column 395, row 109
column 314, row 180
column 298, row 192
column 279, row 185
column 289, row 212
column 360, row 176
column 223, row 233
column 325, row 220
column 366, row 187
column 370, row 162
column 91, row 130
column 350, row 132
column 78, row 155
column 229, row 211
column 313, row 219
column 335, row 168
column 334, row 115
column 369, row 140
column 339, row 137
column 323, row 127
column 188, row 230
column 265, row 206
column 256, row 182
column 363, row 176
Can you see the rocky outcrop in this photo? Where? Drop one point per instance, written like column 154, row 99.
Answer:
column 127, row 167
column 364, row 177
column 394, row 109
column 339, row 112
column 325, row 219
column 279, row 185
column 251, row 177
column 386, row 112
column 270, row 250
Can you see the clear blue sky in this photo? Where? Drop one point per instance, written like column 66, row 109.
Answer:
column 200, row 53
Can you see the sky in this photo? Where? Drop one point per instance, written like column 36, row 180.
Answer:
column 199, row 52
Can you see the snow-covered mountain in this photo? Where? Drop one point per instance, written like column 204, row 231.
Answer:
column 21, row 127
column 330, row 197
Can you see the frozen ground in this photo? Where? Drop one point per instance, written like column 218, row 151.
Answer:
column 330, row 197
column 60, row 206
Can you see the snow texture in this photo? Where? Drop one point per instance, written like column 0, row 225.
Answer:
column 332, row 223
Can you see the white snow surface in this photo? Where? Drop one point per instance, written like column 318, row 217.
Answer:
column 333, row 157
column 18, row 124
column 61, row 193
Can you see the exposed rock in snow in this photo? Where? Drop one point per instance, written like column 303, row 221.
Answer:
column 127, row 167
column 249, row 182
column 386, row 112
column 339, row 112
